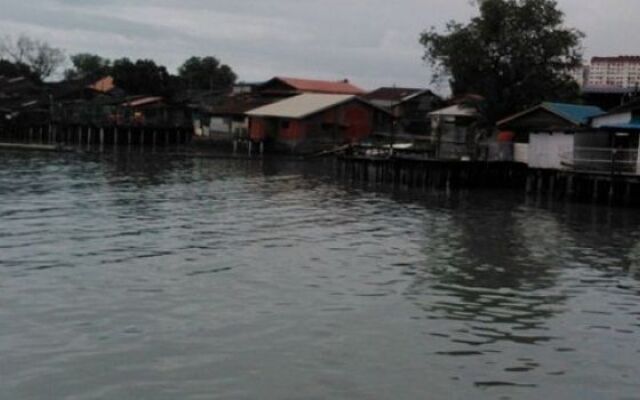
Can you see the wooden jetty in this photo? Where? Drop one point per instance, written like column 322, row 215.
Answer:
column 411, row 171
column 100, row 136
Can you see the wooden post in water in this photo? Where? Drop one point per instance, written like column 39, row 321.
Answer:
column 89, row 136
column 30, row 134
column 540, row 182
column 611, row 191
column 154, row 138
column 627, row 194
column 129, row 137
column 570, row 188
column 166, row 137
column 101, row 139
column 115, row 136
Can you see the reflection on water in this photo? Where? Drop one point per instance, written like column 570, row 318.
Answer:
column 130, row 276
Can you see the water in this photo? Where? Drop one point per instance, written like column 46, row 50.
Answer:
column 132, row 277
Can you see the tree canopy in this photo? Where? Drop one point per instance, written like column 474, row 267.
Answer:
column 206, row 73
column 42, row 59
column 13, row 70
column 87, row 65
column 146, row 77
column 141, row 76
column 515, row 54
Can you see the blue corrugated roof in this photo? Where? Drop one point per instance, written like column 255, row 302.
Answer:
column 577, row 114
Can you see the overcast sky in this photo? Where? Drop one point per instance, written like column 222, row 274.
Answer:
column 371, row 42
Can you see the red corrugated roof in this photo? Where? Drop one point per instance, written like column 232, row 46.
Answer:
column 318, row 86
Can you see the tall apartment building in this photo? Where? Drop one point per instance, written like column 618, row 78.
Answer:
column 622, row 71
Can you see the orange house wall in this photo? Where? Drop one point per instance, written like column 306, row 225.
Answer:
column 257, row 129
column 359, row 121
column 295, row 131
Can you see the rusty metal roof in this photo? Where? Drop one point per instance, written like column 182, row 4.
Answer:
column 320, row 86
column 103, row 85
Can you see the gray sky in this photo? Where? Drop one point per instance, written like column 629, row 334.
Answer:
column 371, row 42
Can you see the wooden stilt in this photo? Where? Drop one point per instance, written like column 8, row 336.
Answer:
column 89, row 136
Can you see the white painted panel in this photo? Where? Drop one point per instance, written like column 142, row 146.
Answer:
column 218, row 125
column 622, row 118
column 547, row 150
column 521, row 152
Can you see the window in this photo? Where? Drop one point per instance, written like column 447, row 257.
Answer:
column 285, row 124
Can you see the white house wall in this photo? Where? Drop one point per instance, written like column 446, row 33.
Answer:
column 547, row 151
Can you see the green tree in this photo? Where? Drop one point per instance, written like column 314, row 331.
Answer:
column 141, row 77
column 206, row 73
column 515, row 54
column 87, row 65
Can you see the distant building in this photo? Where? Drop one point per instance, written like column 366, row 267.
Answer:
column 314, row 122
column 245, row 88
column 621, row 71
column 545, row 135
column 452, row 131
column 389, row 97
column 225, row 118
column 281, row 86
column 411, row 108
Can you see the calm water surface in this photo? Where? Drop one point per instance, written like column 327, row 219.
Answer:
column 126, row 276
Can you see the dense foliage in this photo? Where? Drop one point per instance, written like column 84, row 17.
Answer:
column 206, row 73
column 515, row 54
column 147, row 77
column 87, row 65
